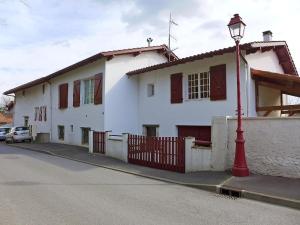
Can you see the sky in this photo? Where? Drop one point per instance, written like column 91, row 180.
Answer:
column 38, row 37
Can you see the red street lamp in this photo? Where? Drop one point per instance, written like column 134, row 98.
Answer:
column 237, row 28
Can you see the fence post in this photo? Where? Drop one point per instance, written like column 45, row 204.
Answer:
column 219, row 143
column 91, row 141
column 189, row 142
column 125, row 146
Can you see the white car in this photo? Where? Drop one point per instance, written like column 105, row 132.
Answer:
column 3, row 132
column 18, row 134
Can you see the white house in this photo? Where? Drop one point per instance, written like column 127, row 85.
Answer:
column 94, row 93
column 139, row 91
column 180, row 98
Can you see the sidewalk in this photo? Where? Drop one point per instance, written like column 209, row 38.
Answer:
column 277, row 190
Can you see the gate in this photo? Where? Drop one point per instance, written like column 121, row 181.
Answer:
column 99, row 142
column 167, row 153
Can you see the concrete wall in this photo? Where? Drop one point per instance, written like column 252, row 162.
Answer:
column 158, row 110
column 196, row 158
column 121, row 93
column 272, row 145
column 117, row 146
column 25, row 106
column 87, row 115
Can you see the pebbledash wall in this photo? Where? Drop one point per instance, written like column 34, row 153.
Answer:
column 272, row 145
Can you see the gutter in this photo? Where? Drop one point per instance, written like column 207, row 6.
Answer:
column 50, row 108
column 247, row 81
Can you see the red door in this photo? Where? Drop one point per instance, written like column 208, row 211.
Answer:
column 201, row 133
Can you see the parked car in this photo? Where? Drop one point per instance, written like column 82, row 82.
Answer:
column 3, row 131
column 18, row 134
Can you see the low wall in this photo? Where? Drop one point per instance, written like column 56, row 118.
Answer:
column 116, row 146
column 196, row 158
column 272, row 145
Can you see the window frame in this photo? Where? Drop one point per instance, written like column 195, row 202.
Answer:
column 83, row 129
column 58, row 132
column 200, row 89
column 90, row 99
column 156, row 126
column 150, row 90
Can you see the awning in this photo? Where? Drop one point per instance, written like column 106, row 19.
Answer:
column 288, row 84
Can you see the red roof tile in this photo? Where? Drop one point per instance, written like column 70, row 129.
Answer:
column 281, row 50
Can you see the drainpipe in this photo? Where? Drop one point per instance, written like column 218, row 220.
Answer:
column 247, row 81
column 50, row 107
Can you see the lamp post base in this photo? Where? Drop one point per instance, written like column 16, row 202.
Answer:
column 240, row 172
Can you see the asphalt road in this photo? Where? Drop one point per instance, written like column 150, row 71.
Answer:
column 39, row 189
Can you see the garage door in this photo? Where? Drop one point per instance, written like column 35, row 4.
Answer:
column 201, row 133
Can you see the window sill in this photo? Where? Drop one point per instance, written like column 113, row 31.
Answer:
column 198, row 99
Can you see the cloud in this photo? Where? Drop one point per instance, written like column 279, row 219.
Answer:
column 40, row 37
column 154, row 14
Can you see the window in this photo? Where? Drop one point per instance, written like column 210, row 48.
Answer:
column 61, row 132
column 151, row 130
column 88, row 91
column 23, row 92
column 85, row 135
column 150, row 90
column 72, row 128
column 198, row 85
column 43, row 88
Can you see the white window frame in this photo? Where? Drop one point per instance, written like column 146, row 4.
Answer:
column 88, row 99
column 198, row 89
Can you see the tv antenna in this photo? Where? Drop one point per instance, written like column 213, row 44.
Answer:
column 171, row 23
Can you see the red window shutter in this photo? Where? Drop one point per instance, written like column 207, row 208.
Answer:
column 76, row 93
column 176, row 88
column 63, row 96
column 98, row 89
column 218, row 82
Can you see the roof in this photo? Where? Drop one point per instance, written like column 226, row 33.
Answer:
column 280, row 47
column 163, row 49
column 5, row 119
column 288, row 84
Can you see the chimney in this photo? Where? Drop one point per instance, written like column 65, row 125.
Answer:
column 149, row 40
column 267, row 35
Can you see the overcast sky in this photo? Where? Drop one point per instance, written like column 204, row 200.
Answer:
column 38, row 37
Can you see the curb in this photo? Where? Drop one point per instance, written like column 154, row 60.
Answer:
column 295, row 204
column 271, row 199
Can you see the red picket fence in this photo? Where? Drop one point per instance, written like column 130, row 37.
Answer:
column 99, row 142
column 166, row 153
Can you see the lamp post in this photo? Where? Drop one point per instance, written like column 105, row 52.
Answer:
column 237, row 28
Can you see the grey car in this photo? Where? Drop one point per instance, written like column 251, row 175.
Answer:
column 3, row 132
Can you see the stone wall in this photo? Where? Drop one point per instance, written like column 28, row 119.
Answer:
column 272, row 145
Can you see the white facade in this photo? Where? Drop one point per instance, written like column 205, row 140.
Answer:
column 126, row 106
column 158, row 109
column 75, row 118
column 121, row 92
column 25, row 103
column 117, row 113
